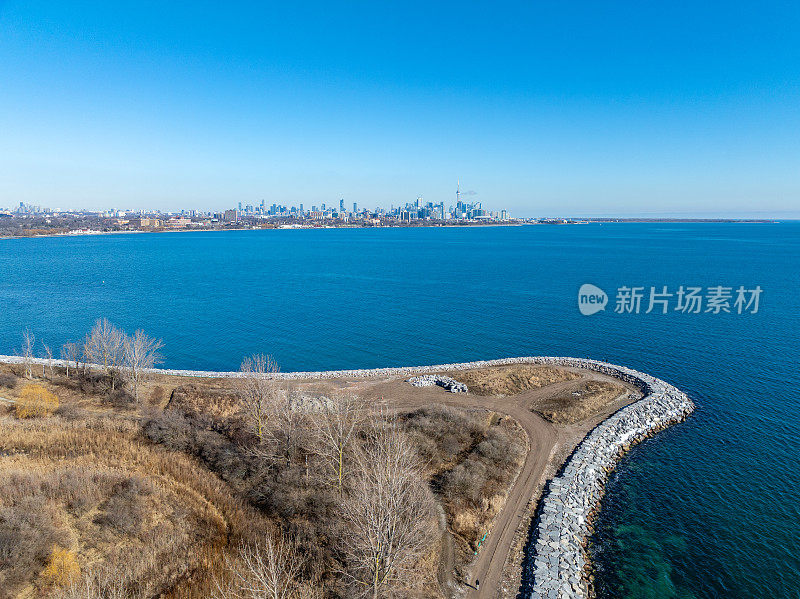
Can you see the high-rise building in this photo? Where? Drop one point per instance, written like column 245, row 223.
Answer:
column 341, row 205
column 355, row 208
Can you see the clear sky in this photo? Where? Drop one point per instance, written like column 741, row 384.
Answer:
column 544, row 108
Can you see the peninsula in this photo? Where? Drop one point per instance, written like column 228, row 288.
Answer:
column 514, row 498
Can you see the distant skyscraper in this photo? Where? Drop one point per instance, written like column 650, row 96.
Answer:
column 355, row 208
column 341, row 205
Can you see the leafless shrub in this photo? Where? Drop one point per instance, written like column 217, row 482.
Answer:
column 28, row 531
column 442, row 434
column 120, row 398
column 465, row 481
column 125, row 509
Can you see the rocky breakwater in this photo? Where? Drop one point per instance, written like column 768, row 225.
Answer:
column 429, row 380
column 560, row 564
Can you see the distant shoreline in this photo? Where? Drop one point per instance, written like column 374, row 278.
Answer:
column 278, row 228
column 426, row 226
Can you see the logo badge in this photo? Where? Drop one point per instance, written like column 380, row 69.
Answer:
column 591, row 299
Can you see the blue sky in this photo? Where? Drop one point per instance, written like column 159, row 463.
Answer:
column 646, row 108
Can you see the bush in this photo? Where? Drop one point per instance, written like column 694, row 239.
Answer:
column 35, row 401
column 7, row 380
column 28, row 531
column 125, row 509
column 69, row 411
column 442, row 434
column 120, row 398
column 62, row 568
column 157, row 395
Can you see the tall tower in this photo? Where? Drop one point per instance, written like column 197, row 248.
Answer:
column 458, row 191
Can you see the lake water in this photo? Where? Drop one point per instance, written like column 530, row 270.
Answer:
column 710, row 508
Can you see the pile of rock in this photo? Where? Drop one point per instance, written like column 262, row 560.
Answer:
column 429, row 380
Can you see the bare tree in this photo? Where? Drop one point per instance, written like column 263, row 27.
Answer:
column 70, row 353
column 87, row 348
column 47, row 354
column 389, row 513
column 101, row 583
column 257, row 391
column 288, row 415
column 268, row 570
column 141, row 353
column 26, row 352
column 335, row 427
column 105, row 347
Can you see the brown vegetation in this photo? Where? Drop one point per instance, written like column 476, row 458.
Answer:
column 92, row 488
column 576, row 404
column 312, row 468
column 509, row 380
column 35, row 401
column 244, row 488
column 472, row 459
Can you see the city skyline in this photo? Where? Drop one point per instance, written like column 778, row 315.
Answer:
column 591, row 110
column 440, row 210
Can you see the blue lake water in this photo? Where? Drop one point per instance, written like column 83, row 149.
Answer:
column 710, row 508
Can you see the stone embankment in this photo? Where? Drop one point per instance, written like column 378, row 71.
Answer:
column 560, row 564
column 429, row 380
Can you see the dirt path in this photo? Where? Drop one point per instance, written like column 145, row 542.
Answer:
column 544, row 439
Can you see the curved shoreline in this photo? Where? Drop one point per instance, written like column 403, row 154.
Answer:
column 572, row 497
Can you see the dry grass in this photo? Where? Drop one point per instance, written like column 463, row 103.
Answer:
column 510, row 380
column 93, row 488
column 573, row 406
